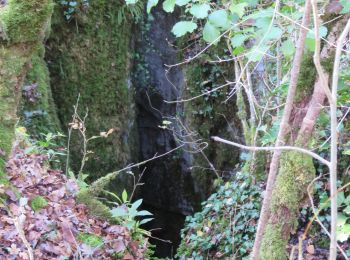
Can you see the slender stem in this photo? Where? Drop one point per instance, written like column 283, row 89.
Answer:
column 334, row 142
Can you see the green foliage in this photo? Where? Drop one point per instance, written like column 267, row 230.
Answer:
column 181, row 28
column 226, row 225
column 91, row 240
column 210, row 33
column 127, row 213
column 323, row 204
column 200, row 11
column 74, row 9
column 288, row 48
column 346, row 6
column 95, row 207
column 48, row 146
column 169, row 5
column 38, row 203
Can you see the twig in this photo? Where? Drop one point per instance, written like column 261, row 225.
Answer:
column 317, row 213
column 70, row 133
column 274, row 148
column 19, row 228
column 101, row 182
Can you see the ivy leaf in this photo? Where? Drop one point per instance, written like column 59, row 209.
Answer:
column 263, row 23
column 183, row 27
column 257, row 53
column 346, row 152
column 169, row 5
column 200, row 11
column 238, row 9
column 346, row 6
column 341, row 220
column 219, row 18
column 310, row 44
column 182, row 2
column 274, row 33
column 210, row 33
column 238, row 40
column 310, row 38
column 322, row 32
column 151, row 4
column 288, row 48
column 343, row 233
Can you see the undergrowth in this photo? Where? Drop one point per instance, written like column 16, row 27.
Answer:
column 226, row 225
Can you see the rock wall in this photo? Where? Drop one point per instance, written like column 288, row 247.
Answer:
column 88, row 53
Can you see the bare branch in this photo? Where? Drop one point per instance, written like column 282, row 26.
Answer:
column 273, row 148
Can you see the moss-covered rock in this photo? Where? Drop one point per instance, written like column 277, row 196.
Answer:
column 38, row 112
column 26, row 21
column 23, row 26
column 89, row 55
column 210, row 115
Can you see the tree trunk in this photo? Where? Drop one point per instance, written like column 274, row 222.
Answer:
column 296, row 170
column 23, row 25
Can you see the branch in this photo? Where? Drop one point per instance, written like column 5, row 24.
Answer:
column 98, row 185
column 273, row 148
column 317, row 60
column 334, row 142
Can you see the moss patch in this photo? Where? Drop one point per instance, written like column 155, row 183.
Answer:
column 296, row 172
column 307, row 78
column 26, row 21
column 95, row 207
column 39, row 114
column 38, row 203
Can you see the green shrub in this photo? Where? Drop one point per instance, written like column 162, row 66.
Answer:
column 226, row 225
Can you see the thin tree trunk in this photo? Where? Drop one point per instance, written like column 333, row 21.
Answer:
column 334, row 143
column 265, row 210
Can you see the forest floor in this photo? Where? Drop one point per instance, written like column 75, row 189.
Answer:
column 40, row 218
